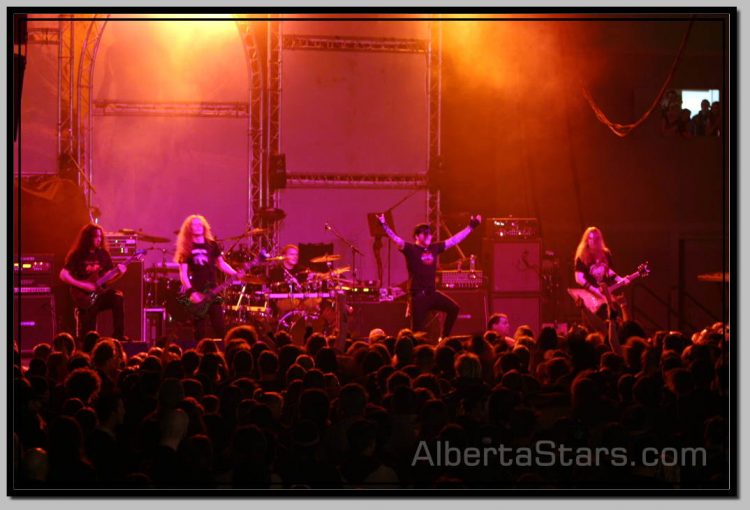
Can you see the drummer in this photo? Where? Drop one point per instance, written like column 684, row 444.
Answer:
column 290, row 275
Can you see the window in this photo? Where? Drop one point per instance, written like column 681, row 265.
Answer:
column 691, row 99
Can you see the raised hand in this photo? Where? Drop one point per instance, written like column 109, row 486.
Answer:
column 380, row 217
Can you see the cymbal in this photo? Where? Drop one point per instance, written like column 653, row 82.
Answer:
column 325, row 258
column 277, row 258
column 253, row 279
column 144, row 237
column 249, row 233
column 347, row 282
column 333, row 273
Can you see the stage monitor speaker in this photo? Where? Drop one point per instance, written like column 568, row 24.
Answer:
column 472, row 315
column 277, row 174
column 521, row 310
column 33, row 320
column 131, row 285
column 514, row 266
column 390, row 316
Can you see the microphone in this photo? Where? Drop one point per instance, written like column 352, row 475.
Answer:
column 327, row 226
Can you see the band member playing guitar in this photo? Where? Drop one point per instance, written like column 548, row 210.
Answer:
column 199, row 256
column 593, row 268
column 593, row 272
column 86, row 263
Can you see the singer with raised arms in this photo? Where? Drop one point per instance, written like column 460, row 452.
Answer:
column 421, row 264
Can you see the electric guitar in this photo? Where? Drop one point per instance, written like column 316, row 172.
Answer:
column 594, row 302
column 84, row 299
column 207, row 297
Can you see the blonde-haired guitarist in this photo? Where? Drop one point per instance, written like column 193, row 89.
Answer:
column 199, row 257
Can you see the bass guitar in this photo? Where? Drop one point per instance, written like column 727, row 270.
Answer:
column 202, row 301
column 84, row 299
column 593, row 302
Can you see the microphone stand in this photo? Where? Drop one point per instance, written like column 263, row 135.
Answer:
column 355, row 251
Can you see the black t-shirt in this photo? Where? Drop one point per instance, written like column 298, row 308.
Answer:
column 83, row 265
column 422, row 265
column 277, row 277
column 201, row 263
column 598, row 271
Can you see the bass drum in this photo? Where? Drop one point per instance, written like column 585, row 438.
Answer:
column 300, row 325
column 258, row 316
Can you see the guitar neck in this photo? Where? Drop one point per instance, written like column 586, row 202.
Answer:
column 625, row 281
column 106, row 277
column 220, row 288
column 114, row 271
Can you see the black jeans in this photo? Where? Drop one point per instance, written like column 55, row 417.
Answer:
column 422, row 302
column 215, row 316
column 111, row 299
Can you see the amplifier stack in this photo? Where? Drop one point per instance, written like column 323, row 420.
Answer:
column 512, row 256
column 131, row 284
column 34, row 317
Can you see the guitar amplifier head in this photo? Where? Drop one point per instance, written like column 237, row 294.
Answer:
column 460, row 279
column 121, row 246
column 28, row 264
column 505, row 229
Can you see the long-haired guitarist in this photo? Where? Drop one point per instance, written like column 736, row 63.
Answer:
column 87, row 260
column 593, row 266
column 199, row 257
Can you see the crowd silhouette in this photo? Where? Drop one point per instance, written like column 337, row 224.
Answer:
column 260, row 413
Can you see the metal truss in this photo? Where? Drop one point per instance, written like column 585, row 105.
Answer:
column 435, row 76
column 65, row 51
column 356, row 181
column 44, row 35
column 274, row 117
column 89, row 50
column 368, row 44
column 78, row 42
column 258, row 165
column 171, row 109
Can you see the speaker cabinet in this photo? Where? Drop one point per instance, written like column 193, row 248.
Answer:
column 390, row 316
column 520, row 310
column 131, row 285
column 514, row 266
column 472, row 315
column 33, row 320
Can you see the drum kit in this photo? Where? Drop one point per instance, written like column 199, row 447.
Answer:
column 311, row 302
